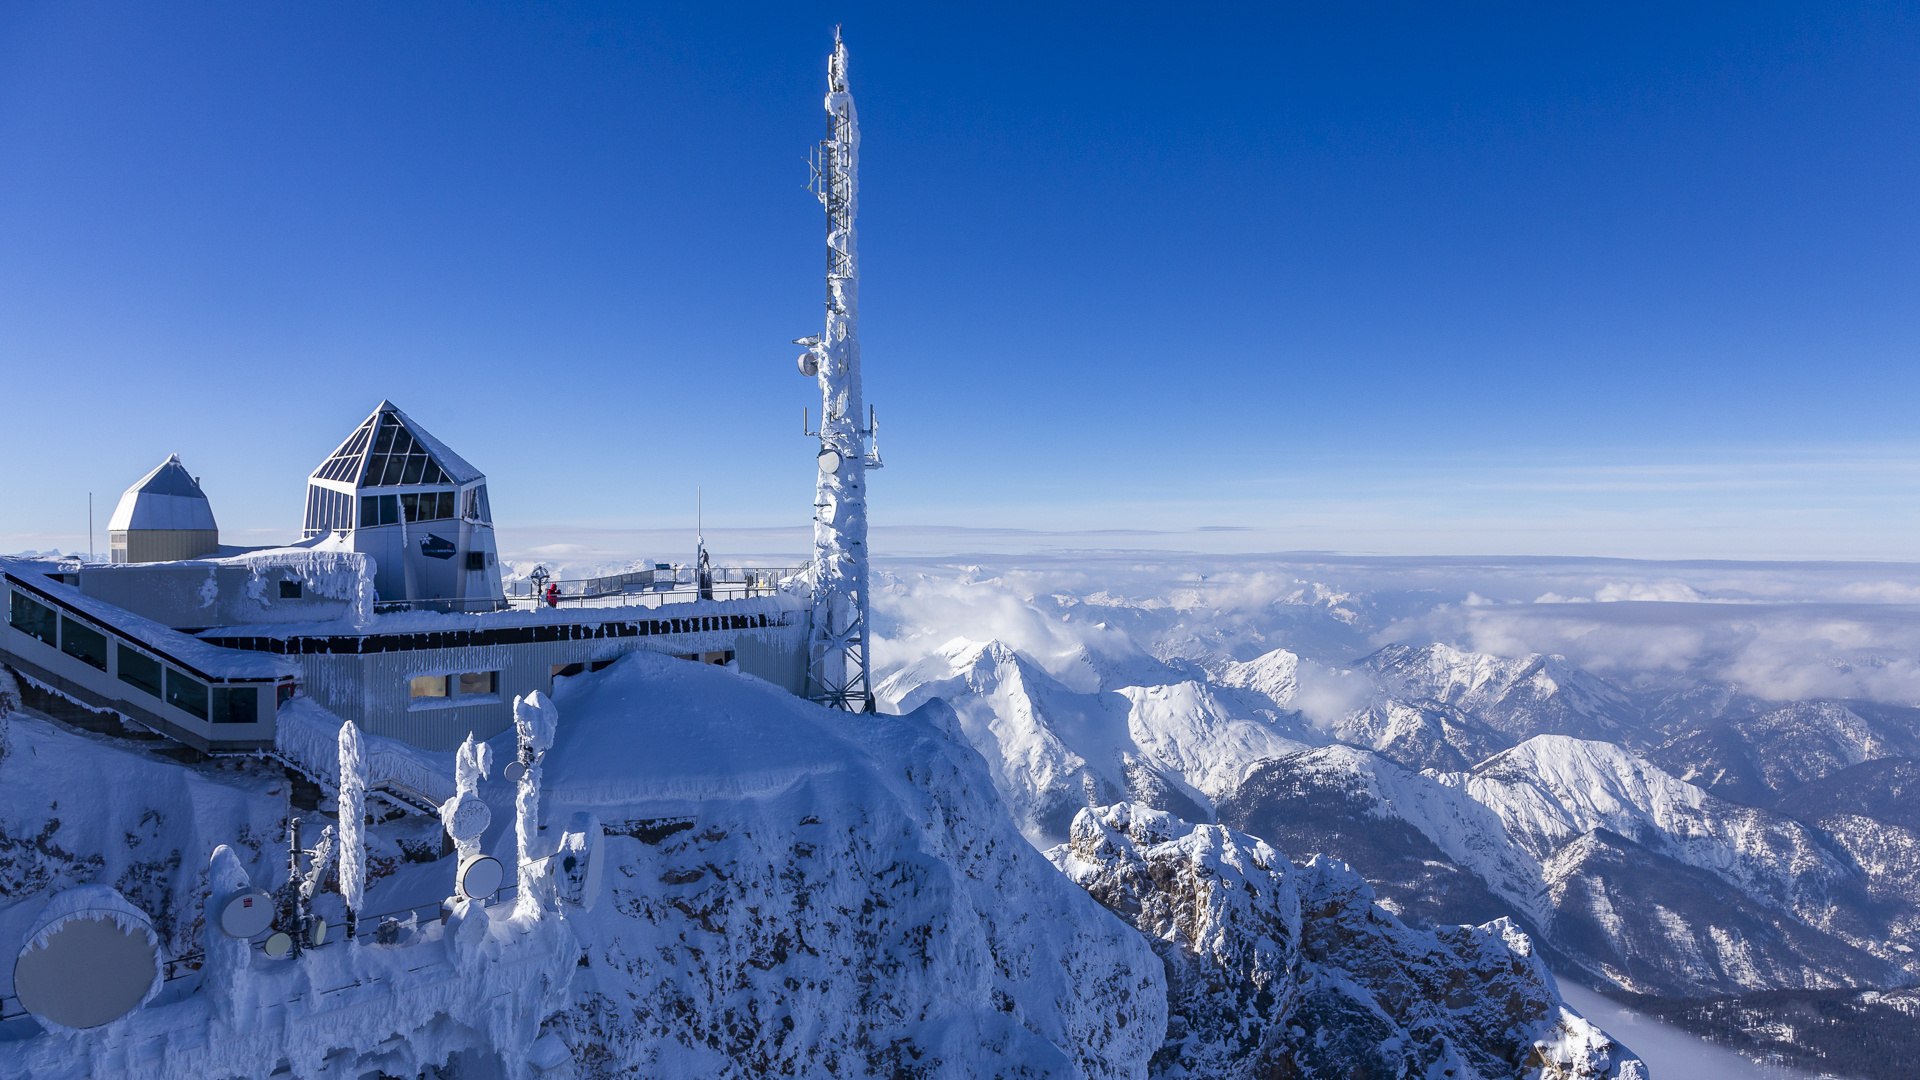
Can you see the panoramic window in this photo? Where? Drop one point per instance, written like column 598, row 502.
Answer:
column 187, row 695
column 428, row 686
column 32, row 618
column 83, row 642
column 138, row 670
column 236, row 705
column 479, row 682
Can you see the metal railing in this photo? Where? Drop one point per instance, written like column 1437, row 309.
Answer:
column 653, row 587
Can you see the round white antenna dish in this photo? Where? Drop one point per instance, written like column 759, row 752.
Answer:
column 809, row 364
column 479, row 877
column 92, row 959
column 514, row 771
column 278, row 944
column 829, row 461
column 246, row 914
column 317, row 931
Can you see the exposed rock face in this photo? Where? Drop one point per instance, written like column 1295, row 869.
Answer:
column 1283, row 971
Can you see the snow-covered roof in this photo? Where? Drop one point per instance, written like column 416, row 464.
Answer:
column 166, row 498
column 391, row 449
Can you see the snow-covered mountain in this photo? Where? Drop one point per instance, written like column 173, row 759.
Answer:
column 790, row 890
column 1053, row 750
column 1282, row 970
column 1461, row 785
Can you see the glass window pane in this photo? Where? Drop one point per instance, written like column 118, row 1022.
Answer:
column 486, row 510
column 187, row 695
column 384, row 441
column 391, row 474
column 236, row 705
column 32, row 618
column 138, row 670
column 83, row 642
column 410, row 506
column 403, row 442
column 446, row 505
column 415, row 462
column 479, row 682
column 433, row 475
column 389, row 510
column 428, row 686
column 369, row 511
column 376, row 465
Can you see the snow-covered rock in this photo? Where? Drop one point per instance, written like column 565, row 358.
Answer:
column 1278, row 970
column 797, row 891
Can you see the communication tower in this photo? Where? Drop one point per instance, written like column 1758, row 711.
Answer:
column 837, row 648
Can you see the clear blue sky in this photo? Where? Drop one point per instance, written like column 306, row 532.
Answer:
column 1631, row 279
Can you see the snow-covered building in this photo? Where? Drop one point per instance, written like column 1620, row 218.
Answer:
column 389, row 611
column 393, row 491
column 162, row 517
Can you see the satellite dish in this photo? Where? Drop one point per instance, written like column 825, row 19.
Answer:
column 246, row 914
column 809, row 364
column 317, row 931
column 91, row 959
column 829, row 461
column 514, row 770
column 278, row 944
column 479, row 877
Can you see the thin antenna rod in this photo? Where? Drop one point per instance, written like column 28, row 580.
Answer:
column 89, row 526
column 700, row 516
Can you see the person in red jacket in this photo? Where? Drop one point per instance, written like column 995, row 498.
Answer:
column 553, row 595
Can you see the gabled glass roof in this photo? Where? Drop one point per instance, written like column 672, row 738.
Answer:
column 389, row 449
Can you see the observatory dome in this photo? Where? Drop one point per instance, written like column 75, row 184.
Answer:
column 162, row 517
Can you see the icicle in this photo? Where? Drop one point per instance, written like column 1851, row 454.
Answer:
column 317, row 867
column 353, row 809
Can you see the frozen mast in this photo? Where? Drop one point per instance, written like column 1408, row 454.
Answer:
column 837, row 648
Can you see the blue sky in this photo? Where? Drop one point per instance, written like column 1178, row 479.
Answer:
column 1604, row 280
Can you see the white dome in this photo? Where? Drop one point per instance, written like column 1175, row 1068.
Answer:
column 166, row 498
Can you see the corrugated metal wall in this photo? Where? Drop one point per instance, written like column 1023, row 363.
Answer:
column 375, row 690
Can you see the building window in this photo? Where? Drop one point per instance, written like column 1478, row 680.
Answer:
column 138, row 670
column 32, row 618
column 83, row 642
column 289, row 590
column 187, row 695
column 480, row 682
column 428, row 686
column 476, row 560
column 377, row 510
column 282, row 694
column 236, row 705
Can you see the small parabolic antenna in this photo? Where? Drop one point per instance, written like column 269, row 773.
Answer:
column 278, row 944
column 829, row 461
column 91, row 959
column 247, row 913
column 809, row 364
column 514, row 771
column 317, row 930
column 479, row 877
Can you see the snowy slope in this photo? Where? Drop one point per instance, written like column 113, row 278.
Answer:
column 797, row 891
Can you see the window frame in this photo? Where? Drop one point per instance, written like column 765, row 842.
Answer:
column 70, row 628
column 184, row 702
column 123, row 653
column 20, row 603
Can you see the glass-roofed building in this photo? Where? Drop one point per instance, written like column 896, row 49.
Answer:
column 396, row 493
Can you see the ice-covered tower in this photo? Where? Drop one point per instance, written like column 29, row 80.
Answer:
column 837, row 653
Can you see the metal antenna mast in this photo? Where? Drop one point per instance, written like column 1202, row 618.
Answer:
column 837, row 648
